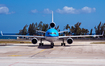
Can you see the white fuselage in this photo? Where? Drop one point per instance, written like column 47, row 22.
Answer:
column 51, row 39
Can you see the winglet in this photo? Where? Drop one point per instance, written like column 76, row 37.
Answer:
column 1, row 33
column 52, row 16
column 103, row 33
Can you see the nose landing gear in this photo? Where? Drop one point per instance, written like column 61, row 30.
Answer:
column 52, row 45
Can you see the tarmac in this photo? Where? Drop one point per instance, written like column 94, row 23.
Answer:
column 79, row 53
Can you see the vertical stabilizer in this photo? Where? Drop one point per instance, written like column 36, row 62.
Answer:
column 52, row 24
column 52, row 16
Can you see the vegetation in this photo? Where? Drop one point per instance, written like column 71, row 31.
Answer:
column 98, row 43
column 14, row 42
column 24, row 30
column 76, row 29
column 100, row 28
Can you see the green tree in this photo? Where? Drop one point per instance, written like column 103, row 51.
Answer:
column 24, row 30
column 98, row 28
column 72, row 29
column 57, row 28
column 83, row 31
column 91, row 31
column 77, row 30
column 40, row 26
column 67, row 27
column 32, row 29
column 45, row 27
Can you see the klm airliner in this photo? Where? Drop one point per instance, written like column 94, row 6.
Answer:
column 52, row 35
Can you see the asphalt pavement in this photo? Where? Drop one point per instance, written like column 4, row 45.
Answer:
column 80, row 53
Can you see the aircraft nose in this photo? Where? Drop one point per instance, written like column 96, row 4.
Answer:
column 51, row 35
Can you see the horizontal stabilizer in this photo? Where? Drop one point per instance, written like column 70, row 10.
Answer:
column 63, row 31
column 40, row 31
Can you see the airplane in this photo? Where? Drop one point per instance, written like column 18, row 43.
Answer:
column 52, row 35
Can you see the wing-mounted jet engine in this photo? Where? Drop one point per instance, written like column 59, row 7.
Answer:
column 34, row 40
column 69, row 40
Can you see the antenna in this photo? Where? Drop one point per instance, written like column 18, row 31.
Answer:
column 52, row 16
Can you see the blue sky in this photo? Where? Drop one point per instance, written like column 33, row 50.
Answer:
column 14, row 14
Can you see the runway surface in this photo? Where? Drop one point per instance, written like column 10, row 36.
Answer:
column 80, row 53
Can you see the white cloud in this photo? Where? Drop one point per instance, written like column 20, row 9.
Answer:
column 4, row 10
column 71, row 10
column 47, row 11
column 34, row 11
column 66, row 10
column 88, row 9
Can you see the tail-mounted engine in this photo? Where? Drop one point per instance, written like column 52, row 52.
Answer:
column 34, row 40
column 52, row 25
column 69, row 40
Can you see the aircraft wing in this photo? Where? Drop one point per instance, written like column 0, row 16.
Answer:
column 65, row 37
column 29, row 36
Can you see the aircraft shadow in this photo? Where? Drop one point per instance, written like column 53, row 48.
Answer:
column 47, row 46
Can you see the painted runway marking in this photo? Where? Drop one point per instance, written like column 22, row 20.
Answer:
column 38, row 52
column 13, row 64
column 28, row 54
column 42, row 50
column 14, row 55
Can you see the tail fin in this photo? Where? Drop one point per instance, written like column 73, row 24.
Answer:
column 1, row 33
column 52, row 16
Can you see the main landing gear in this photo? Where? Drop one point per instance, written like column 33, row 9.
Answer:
column 63, row 44
column 41, row 44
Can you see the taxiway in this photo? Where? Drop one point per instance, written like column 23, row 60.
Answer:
column 80, row 53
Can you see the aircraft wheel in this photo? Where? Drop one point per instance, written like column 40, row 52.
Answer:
column 61, row 44
column 64, row 44
column 52, row 45
column 40, row 44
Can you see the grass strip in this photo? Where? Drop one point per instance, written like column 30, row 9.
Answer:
column 14, row 42
column 98, row 43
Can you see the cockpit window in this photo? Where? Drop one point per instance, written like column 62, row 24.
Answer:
column 51, row 33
